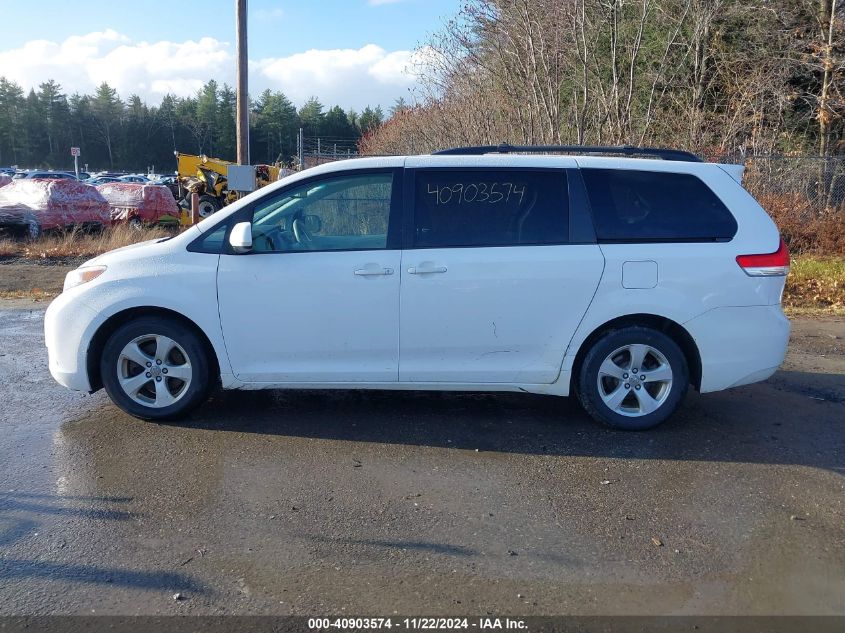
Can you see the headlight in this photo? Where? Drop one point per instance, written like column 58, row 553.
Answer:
column 82, row 275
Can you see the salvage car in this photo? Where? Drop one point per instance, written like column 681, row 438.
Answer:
column 139, row 204
column 30, row 206
column 137, row 178
column 43, row 175
column 622, row 280
column 101, row 180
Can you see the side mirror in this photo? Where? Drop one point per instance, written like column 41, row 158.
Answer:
column 240, row 239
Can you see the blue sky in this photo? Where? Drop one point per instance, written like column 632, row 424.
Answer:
column 351, row 52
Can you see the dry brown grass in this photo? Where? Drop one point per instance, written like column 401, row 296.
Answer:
column 36, row 294
column 804, row 229
column 78, row 243
column 9, row 248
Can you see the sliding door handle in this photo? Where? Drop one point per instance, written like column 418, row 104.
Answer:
column 427, row 270
column 371, row 272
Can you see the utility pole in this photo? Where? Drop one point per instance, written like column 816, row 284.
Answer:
column 301, row 150
column 242, row 119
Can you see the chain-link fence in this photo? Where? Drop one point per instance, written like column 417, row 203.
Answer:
column 805, row 195
column 319, row 150
column 820, row 182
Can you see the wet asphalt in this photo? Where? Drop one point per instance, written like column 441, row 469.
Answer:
column 376, row 503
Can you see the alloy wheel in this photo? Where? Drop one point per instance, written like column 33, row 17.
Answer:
column 635, row 380
column 154, row 370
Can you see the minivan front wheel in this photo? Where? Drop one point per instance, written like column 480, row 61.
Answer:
column 633, row 378
column 155, row 368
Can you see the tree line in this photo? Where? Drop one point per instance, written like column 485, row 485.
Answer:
column 718, row 77
column 38, row 128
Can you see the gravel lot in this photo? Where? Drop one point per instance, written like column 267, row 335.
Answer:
column 375, row 503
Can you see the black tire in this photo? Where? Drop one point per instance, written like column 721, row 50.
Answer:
column 90, row 228
column 208, row 205
column 136, row 223
column 33, row 230
column 192, row 352
column 668, row 394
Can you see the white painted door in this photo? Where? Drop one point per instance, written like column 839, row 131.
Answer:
column 500, row 298
column 493, row 314
column 318, row 298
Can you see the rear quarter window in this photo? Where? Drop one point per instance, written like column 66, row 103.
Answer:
column 632, row 205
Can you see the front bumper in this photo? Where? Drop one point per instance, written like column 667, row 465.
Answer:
column 69, row 326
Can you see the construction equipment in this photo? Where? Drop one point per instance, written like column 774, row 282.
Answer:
column 208, row 178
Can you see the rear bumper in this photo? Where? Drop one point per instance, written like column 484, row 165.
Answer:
column 739, row 345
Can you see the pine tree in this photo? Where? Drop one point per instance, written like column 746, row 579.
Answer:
column 11, row 113
column 311, row 117
column 370, row 119
column 107, row 116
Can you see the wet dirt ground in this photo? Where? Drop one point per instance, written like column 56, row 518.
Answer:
column 380, row 503
column 20, row 276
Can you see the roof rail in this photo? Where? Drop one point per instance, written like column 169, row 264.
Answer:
column 625, row 150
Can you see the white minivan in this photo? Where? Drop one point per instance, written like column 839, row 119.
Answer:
column 622, row 280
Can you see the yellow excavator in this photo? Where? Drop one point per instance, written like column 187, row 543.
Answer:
column 207, row 177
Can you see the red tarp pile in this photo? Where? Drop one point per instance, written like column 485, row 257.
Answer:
column 148, row 203
column 5, row 179
column 51, row 204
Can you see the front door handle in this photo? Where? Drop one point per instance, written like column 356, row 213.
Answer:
column 428, row 270
column 369, row 272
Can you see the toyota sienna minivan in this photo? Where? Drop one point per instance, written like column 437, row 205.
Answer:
column 620, row 275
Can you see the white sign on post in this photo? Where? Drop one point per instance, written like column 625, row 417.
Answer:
column 74, row 151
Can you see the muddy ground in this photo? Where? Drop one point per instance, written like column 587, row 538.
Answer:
column 19, row 276
column 380, row 503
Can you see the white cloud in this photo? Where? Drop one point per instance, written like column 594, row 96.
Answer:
column 352, row 78
column 81, row 63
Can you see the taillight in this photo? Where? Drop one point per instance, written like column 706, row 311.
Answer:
column 770, row 264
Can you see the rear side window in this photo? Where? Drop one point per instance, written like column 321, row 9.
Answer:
column 631, row 205
column 490, row 208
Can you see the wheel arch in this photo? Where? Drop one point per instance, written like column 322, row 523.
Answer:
column 110, row 325
column 671, row 328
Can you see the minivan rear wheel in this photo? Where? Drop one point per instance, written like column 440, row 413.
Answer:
column 633, row 378
column 155, row 368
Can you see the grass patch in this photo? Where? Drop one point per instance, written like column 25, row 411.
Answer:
column 816, row 284
column 36, row 294
column 79, row 243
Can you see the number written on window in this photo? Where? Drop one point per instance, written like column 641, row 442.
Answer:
column 490, row 207
column 478, row 192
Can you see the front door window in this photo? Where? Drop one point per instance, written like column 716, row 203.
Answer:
column 344, row 213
